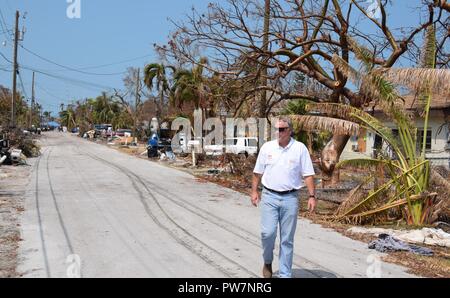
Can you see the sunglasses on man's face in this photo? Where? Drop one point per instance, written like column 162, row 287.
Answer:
column 283, row 129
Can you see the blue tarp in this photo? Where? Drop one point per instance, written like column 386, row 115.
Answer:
column 53, row 124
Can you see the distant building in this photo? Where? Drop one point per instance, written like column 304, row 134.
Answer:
column 438, row 136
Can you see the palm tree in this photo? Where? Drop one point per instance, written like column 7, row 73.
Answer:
column 67, row 117
column 193, row 86
column 155, row 78
column 103, row 109
column 47, row 116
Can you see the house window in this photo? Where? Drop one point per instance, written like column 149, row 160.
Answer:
column 420, row 139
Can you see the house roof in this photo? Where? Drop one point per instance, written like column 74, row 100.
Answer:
column 437, row 102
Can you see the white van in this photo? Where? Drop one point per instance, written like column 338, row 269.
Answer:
column 238, row 145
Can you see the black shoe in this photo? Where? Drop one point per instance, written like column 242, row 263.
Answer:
column 267, row 271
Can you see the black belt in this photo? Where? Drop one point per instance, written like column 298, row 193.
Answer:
column 281, row 192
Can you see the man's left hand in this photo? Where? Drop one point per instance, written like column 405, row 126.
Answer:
column 312, row 205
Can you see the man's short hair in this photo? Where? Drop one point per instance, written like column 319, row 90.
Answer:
column 286, row 120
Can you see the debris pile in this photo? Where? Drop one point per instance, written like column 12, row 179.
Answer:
column 16, row 146
column 386, row 243
column 428, row 236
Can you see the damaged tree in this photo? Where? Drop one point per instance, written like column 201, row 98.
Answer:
column 304, row 36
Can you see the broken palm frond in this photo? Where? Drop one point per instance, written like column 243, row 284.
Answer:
column 385, row 208
column 355, row 115
column 442, row 185
column 421, row 79
column 345, row 68
column 354, row 197
column 375, row 194
column 314, row 123
column 437, row 178
column 339, row 110
column 362, row 53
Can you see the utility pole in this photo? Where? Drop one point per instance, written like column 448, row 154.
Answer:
column 14, row 92
column 32, row 101
column 137, row 101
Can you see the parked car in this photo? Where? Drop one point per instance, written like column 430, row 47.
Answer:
column 101, row 129
column 121, row 132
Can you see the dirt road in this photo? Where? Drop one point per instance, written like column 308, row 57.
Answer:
column 92, row 211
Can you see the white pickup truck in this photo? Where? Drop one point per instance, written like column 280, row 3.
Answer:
column 238, row 145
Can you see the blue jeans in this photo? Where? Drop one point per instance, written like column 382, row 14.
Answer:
column 279, row 209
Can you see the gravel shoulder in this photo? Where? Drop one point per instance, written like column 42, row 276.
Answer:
column 13, row 183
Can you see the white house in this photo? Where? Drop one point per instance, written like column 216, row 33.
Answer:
column 438, row 136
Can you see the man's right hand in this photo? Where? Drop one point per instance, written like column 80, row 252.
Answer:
column 255, row 198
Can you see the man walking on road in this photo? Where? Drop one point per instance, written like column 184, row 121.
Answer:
column 280, row 166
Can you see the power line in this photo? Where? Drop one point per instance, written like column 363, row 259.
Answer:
column 115, row 63
column 4, row 26
column 105, row 65
column 78, row 83
column 47, row 92
column 70, row 68
column 4, row 57
column 70, row 80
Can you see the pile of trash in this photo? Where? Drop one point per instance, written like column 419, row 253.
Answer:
column 428, row 236
column 16, row 146
column 386, row 243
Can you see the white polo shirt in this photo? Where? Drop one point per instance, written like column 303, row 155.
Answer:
column 284, row 168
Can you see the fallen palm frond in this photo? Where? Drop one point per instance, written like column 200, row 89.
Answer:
column 334, row 125
column 397, row 182
column 355, row 196
column 437, row 178
column 359, row 217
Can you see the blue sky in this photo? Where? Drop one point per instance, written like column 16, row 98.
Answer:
column 109, row 31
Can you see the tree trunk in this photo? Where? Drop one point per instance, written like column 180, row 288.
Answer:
column 310, row 142
column 263, row 100
column 161, row 105
column 330, row 157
